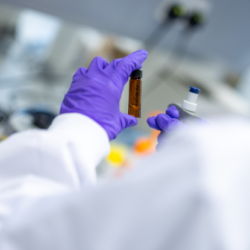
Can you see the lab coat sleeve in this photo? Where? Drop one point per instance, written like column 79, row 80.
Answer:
column 41, row 163
column 155, row 206
column 193, row 195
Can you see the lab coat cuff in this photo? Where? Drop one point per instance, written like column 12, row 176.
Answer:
column 80, row 127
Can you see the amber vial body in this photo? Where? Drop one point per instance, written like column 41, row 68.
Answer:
column 134, row 102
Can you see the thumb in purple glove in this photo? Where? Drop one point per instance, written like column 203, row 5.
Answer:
column 96, row 92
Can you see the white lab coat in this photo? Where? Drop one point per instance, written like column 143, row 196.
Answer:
column 193, row 195
column 40, row 163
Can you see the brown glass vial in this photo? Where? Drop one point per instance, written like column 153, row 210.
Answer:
column 135, row 88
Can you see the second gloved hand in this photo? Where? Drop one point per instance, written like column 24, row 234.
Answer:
column 96, row 92
column 166, row 122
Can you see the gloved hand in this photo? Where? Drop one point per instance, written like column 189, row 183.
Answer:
column 166, row 122
column 96, row 92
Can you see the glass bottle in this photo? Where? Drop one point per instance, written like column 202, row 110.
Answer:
column 135, row 88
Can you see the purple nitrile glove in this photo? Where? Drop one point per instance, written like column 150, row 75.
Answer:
column 96, row 92
column 168, row 122
column 165, row 123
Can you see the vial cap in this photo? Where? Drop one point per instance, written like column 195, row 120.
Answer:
column 194, row 90
column 136, row 73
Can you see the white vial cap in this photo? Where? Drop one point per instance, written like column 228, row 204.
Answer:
column 190, row 103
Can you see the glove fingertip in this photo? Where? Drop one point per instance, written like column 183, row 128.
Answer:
column 173, row 112
column 132, row 62
column 152, row 122
column 143, row 52
column 128, row 121
column 97, row 63
column 133, row 122
column 163, row 121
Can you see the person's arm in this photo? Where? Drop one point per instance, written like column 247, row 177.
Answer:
column 194, row 197
column 40, row 163
column 169, row 201
column 141, row 211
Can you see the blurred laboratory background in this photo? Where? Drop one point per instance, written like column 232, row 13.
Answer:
column 200, row 43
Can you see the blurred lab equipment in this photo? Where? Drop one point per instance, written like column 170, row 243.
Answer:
column 117, row 156
column 135, row 89
column 145, row 146
column 24, row 119
column 171, row 14
column 7, row 36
